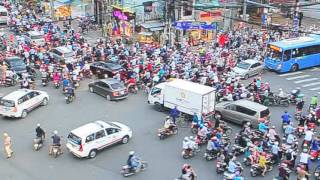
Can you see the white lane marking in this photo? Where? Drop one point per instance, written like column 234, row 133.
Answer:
column 298, row 77
column 314, row 89
column 305, row 80
column 290, row 74
column 311, row 84
column 315, row 69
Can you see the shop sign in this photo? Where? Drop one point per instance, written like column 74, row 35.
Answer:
column 120, row 15
column 186, row 25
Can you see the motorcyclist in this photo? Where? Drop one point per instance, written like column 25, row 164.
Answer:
column 289, row 129
column 272, row 133
column 262, row 127
column 133, row 161
column 55, row 141
column 44, row 75
column 131, row 82
column 282, row 94
column 247, row 129
column 186, row 145
column 286, row 118
column 215, row 145
column 315, row 144
column 299, row 105
column 263, row 162
column 232, row 166
column 69, row 91
column 40, row 133
column 168, row 124
column 202, row 133
column 314, row 102
column 56, row 77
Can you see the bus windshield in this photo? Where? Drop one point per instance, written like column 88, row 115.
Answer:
column 274, row 53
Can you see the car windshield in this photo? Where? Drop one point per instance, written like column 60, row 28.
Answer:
column 75, row 139
column 264, row 113
column 16, row 62
column 6, row 103
column 116, row 86
column 113, row 66
column 113, row 125
column 3, row 14
column 67, row 55
column 37, row 37
column 243, row 65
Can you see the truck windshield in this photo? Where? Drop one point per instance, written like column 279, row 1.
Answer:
column 155, row 91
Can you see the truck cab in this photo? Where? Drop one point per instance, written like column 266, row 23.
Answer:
column 156, row 94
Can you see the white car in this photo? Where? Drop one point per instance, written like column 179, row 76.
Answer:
column 19, row 103
column 248, row 68
column 36, row 37
column 86, row 140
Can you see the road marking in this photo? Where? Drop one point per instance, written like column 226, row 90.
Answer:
column 290, row 74
column 314, row 89
column 305, row 80
column 298, row 77
column 311, row 84
column 315, row 69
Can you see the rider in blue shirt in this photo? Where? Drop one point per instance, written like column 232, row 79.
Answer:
column 286, row 117
column 262, row 127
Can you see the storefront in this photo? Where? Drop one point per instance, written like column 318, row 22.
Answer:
column 195, row 32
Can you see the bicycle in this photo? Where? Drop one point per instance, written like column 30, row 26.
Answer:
column 183, row 121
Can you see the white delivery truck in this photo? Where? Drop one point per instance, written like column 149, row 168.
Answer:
column 189, row 97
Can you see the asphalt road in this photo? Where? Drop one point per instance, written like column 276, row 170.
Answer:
column 164, row 157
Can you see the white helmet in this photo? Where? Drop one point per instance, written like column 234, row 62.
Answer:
column 280, row 89
column 186, row 139
column 55, row 132
column 131, row 153
column 38, row 125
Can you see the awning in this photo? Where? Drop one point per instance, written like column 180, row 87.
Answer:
column 155, row 24
column 156, row 29
column 123, row 9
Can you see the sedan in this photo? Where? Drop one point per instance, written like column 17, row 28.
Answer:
column 110, row 88
column 16, row 64
column 248, row 68
column 105, row 68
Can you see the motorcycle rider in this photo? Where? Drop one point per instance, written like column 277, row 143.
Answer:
column 133, row 161
column 282, row 95
column 286, row 118
column 314, row 102
column 283, row 172
column 299, row 105
column 215, row 145
column 186, row 146
column 174, row 113
column 263, row 162
column 304, row 158
column 263, row 127
column 40, row 133
column 56, row 77
column 202, row 133
column 44, row 76
column 188, row 173
column 55, row 142
column 308, row 136
column 289, row 129
column 272, row 133
column 232, row 166
column 69, row 91
column 168, row 124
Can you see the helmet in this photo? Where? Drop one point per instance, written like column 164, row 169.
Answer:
column 248, row 123
column 273, row 127
column 168, row 117
column 201, row 126
column 131, row 153
column 276, row 143
column 55, row 132
column 191, row 138
column 280, row 89
column 285, row 111
column 38, row 125
column 263, row 153
column 186, row 139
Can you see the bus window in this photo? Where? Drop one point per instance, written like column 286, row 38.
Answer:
column 297, row 53
column 286, row 55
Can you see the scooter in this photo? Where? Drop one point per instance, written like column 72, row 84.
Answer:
column 56, row 84
column 238, row 150
column 257, row 170
column 229, row 175
column 294, row 94
column 127, row 171
column 56, row 151
column 317, row 173
column 300, row 131
column 44, row 81
column 209, row 155
column 163, row 132
column 69, row 98
column 37, row 143
column 221, row 167
column 188, row 155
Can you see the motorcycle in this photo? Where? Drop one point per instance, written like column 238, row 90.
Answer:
column 56, row 151
column 227, row 130
column 284, row 126
column 133, row 89
column 44, row 81
column 187, row 155
column 297, row 116
column 314, row 155
column 126, row 171
column 257, row 170
column 56, row 84
column 229, row 175
column 246, row 161
column 209, row 155
column 294, row 94
column 278, row 101
column 164, row 132
column 221, row 167
column 300, row 131
column 37, row 143
column 69, row 98
column 238, row 150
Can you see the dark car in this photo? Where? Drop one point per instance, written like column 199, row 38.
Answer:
column 110, row 88
column 16, row 64
column 105, row 68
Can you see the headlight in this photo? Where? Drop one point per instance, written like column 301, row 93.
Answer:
column 251, row 170
column 279, row 66
column 316, row 174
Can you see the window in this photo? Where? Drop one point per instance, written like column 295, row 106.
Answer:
column 155, row 91
column 101, row 84
column 286, row 55
column 24, row 99
column 6, row 103
column 75, row 139
column 112, row 130
column 255, row 65
column 231, row 107
column 90, row 138
column 100, row 134
column 245, row 111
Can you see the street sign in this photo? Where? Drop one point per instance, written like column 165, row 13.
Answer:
column 186, row 25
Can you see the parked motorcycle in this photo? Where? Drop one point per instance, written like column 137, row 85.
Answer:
column 126, row 171
column 164, row 132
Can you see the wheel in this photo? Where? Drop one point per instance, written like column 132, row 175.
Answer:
column 194, row 130
column 44, row 102
column 125, row 140
column 294, row 68
column 208, row 158
column 246, row 76
column 175, row 131
column 24, row 114
column 92, row 153
column 144, row 165
column 161, row 137
column 108, row 97
column 159, row 107
column 286, row 104
column 253, row 174
column 55, row 154
column 91, row 89
column 185, row 156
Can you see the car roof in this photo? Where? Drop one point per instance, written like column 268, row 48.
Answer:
column 110, row 81
column 250, row 61
column 13, row 58
column 34, row 33
column 16, row 94
column 63, row 49
column 87, row 129
column 250, row 104
column 2, row 8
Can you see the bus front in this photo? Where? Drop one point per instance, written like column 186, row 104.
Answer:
column 273, row 59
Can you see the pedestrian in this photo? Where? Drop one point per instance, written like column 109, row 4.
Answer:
column 174, row 114
column 7, row 145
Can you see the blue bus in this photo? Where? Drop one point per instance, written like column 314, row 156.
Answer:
column 293, row 54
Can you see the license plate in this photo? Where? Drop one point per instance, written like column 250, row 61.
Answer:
column 7, row 108
column 122, row 92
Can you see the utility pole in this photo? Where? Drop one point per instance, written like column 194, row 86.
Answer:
column 52, row 9
column 244, row 12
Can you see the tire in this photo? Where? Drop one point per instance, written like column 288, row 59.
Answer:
column 246, row 76
column 253, row 174
column 44, row 102
column 175, row 131
column 294, row 68
column 194, row 130
column 161, row 137
column 286, row 104
column 208, row 158
column 92, row 153
column 144, row 165
column 125, row 140
column 159, row 107
column 24, row 114
column 55, row 155
column 185, row 156
column 108, row 97
column 91, row 89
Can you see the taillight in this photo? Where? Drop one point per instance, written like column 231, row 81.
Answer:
column 14, row 109
column 81, row 148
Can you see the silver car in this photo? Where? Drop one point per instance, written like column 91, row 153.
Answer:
column 248, row 68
